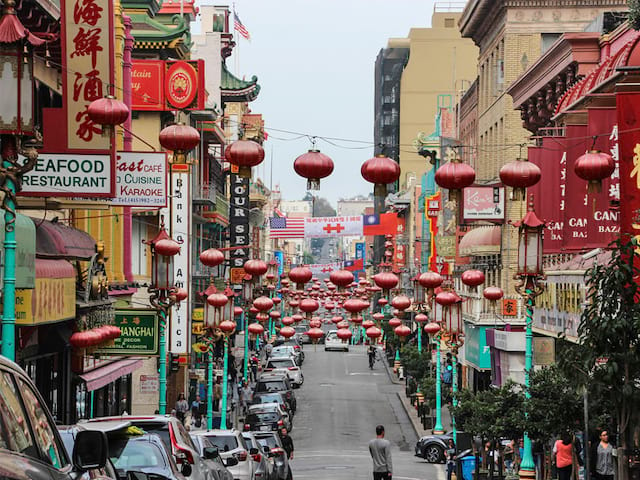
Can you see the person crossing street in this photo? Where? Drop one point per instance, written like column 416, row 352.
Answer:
column 380, row 450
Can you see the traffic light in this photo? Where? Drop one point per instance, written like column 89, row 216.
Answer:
column 175, row 362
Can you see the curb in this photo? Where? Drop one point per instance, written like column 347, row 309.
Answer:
column 416, row 428
column 389, row 372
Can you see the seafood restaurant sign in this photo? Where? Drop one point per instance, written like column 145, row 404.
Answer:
column 141, row 178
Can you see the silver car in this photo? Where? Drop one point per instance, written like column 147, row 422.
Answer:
column 263, row 467
column 232, row 449
column 285, row 366
column 271, row 444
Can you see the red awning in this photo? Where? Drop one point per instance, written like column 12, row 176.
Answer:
column 480, row 241
column 46, row 268
column 105, row 375
column 54, row 240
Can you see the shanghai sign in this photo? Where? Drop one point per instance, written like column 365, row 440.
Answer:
column 139, row 333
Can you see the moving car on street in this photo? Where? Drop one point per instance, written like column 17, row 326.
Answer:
column 432, row 447
column 285, row 366
column 332, row 342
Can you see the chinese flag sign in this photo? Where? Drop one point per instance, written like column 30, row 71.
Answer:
column 509, row 307
column 88, row 67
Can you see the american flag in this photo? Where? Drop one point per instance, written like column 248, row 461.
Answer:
column 237, row 25
column 283, row 227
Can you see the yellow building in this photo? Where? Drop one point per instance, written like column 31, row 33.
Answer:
column 440, row 62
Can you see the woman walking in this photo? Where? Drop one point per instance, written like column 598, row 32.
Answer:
column 563, row 456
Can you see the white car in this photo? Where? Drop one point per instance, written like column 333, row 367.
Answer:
column 332, row 342
column 286, row 351
column 285, row 366
column 231, row 444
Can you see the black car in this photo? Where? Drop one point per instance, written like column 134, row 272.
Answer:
column 272, row 397
column 263, row 421
column 30, row 444
column 277, row 383
column 433, row 447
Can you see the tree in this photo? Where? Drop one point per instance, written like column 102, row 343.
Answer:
column 634, row 14
column 610, row 331
column 417, row 364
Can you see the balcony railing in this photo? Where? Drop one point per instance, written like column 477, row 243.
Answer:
column 205, row 194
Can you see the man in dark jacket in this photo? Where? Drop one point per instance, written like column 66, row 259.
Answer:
column 287, row 443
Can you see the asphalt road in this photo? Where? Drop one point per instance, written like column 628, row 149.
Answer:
column 339, row 406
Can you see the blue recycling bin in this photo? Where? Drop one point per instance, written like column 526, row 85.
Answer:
column 468, row 465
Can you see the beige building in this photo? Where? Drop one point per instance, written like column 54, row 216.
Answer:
column 440, row 62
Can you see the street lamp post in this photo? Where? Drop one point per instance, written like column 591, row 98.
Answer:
column 227, row 327
column 531, row 275
column 163, row 249
column 247, row 296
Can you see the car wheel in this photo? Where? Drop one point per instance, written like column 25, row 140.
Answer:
column 433, row 453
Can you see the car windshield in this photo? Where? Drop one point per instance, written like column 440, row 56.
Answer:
column 267, row 441
column 270, row 386
column 129, row 453
column 281, row 363
column 269, row 398
column 248, row 440
column 282, row 351
column 260, row 417
column 223, row 442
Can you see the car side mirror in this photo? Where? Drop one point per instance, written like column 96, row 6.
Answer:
column 266, row 449
column 186, row 469
column 90, row 450
column 211, row 453
column 230, row 462
column 254, row 451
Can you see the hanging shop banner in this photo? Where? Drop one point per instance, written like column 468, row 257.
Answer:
column 484, row 202
column 180, row 215
column 324, row 268
column 628, row 108
column 147, row 88
column 278, row 255
column 87, row 68
column 141, row 179
column 239, row 220
column 323, row 227
column 69, row 175
column 139, row 333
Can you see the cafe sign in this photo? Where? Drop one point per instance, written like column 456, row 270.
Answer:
column 139, row 333
column 141, row 179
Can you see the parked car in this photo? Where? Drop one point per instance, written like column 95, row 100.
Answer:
column 174, row 436
column 301, row 334
column 277, row 383
column 265, row 417
column 274, row 397
column 288, row 351
column 209, row 452
column 233, row 450
column 286, row 366
column 263, row 468
column 68, row 433
column 292, row 342
column 432, row 447
column 272, row 446
column 30, row 444
column 332, row 342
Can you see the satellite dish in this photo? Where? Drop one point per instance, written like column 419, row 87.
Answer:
column 256, row 217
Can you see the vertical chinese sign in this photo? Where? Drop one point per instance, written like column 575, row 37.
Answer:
column 239, row 221
column 628, row 108
column 180, row 328
column 88, row 68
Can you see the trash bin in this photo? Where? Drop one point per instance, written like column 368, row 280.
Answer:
column 468, row 465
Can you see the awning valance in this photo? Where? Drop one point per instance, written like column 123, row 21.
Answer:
column 102, row 376
column 55, row 240
column 480, row 241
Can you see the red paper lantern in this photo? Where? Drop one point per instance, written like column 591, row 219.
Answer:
column 315, row 334
column 227, row 326
column 287, row 332
column 386, row 280
column 167, row 247
column 313, row 166
column 373, row 332
column 343, row 324
column 402, row 331
column 313, row 323
column 382, row 301
column 520, row 175
column 354, row 305
column 218, row 300
column 472, row 278
column 401, row 302
column 454, row 176
column 493, row 294
column 430, row 280
column 421, row 318
column 357, row 320
column 276, row 300
column 300, row 276
column 275, row 314
column 256, row 329
column 244, row 154
column 79, row 340
column 337, row 319
column 253, row 310
column 380, row 171
column 309, row 305
column 446, row 299
column 297, row 317
column 262, row 317
column 237, row 311
column 180, row 294
column 180, row 139
column 367, row 324
column 378, row 316
column 263, row 303
column 431, row 328
column 212, row 257
column 341, row 278
column 344, row 334
column 108, row 112
column 287, row 321
column 255, row 268
column 395, row 322
column 594, row 166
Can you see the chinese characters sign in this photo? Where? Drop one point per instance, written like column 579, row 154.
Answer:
column 139, row 333
column 629, row 148
column 88, row 68
column 483, row 203
column 322, row 227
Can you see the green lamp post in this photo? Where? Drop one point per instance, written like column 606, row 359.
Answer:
column 247, row 297
column 531, row 275
column 163, row 249
column 227, row 327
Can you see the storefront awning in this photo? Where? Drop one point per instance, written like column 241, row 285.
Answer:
column 102, row 376
column 54, row 240
column 480, row 241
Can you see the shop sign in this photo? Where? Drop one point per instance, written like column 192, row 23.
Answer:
column 628, row 108
column 25, row 252
column 180, row 215
column 509, row 307
column 198, row 314
column 139, row 333
column 239, row 221
column 69, row 175
column 87, row 68
column 477, row 352
column 52, row 300
column 147, row 92
column 325, row 227
column 446, row 245
column 483, row 203
column 279, row 257
column 544, row 351
column 141, row 179
column 181, row 84
column 149, row 384
column 197, row 327
column 509, row 341
column 236, row 275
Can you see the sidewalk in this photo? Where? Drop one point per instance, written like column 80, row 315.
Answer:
column 411, row 410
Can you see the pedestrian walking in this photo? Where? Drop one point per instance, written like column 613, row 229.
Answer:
column 287, row 443
column 563, row 456
column 380, row 450
column 450, row 455
column 268, row 348
column 254, row 367
column 196, row 417
column 371, row 351
column 604, row 458
column 182, row 407
column 246, row 395
column 217, row 395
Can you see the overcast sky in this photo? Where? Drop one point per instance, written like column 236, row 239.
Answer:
column 315, row 63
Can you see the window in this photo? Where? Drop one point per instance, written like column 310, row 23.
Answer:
column 546, row 40
column 14, row 430
column 45, row 438
column 449, row 22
